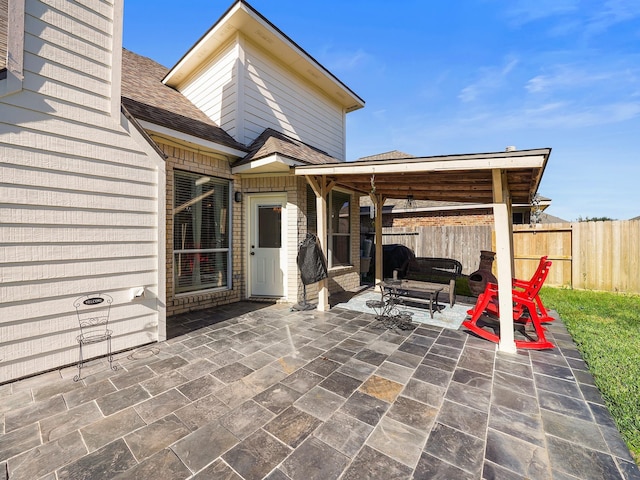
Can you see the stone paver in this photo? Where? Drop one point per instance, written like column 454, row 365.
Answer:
column 251, row 391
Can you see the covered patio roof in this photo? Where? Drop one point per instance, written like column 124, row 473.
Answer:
column 451, row 178
column 498, row 179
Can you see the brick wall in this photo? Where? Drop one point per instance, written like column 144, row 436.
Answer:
column 179, row 158
column 439, row 219
column 343, row 278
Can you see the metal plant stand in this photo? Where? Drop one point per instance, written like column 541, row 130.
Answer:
column 388, row 311
column 93, row 315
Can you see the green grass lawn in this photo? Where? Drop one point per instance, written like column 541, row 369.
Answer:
column 606, row 329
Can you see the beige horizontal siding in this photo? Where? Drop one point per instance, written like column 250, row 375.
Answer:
column 91, row 29
column 79, row 195
column 78, row 234
column 114, row 167
column 49, row 34
column 38, row 141
column 24, row 253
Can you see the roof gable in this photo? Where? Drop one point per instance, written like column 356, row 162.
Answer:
column 242, row 17
column 274, row 147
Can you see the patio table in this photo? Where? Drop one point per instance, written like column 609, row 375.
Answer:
column 414, row 291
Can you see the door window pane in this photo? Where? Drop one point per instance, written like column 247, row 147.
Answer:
column 269, row 226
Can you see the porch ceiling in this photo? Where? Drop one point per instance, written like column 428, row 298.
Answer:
column 454, row 178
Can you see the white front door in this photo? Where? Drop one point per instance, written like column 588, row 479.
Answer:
column 267, row 258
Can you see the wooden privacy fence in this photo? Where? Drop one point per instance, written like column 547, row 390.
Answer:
column 553, row 240
column 586, row 255
column 459, row 242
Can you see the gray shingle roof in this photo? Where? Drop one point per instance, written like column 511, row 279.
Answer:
column 147, row 98
column 271, row 142
column 392, row 155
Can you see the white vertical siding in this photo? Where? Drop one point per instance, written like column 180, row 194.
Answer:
column 276, row 98
column 81, row 197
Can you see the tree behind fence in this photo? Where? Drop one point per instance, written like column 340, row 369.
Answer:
column 586, row 255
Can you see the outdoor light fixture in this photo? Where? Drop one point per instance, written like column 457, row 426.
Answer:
column 237, row 197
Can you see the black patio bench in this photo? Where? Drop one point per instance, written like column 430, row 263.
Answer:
column 435, row 273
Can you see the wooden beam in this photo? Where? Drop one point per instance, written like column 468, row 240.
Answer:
column 315, row 184
column 426, row 164
column 378, row 202
column 504, row 257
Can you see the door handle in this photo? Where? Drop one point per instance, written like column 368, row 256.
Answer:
column 253, row 253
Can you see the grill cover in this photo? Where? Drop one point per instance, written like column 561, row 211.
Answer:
column 311, row 261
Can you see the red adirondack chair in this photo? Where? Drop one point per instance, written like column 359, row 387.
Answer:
column 529, row 288
column 528, row 311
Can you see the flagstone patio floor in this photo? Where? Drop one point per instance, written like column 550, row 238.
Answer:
column 253, row 391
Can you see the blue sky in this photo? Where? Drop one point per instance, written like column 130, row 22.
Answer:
column 468, row 76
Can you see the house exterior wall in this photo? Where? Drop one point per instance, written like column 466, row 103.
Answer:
column 214, row 88
column 79, row 201
column 295, row 188
column 276, row 98
column 245, row 91
column 288, row 185
column 214, row 165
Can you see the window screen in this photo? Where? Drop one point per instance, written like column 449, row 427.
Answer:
column 201, row 232
column 4, row 32
column 338, row 225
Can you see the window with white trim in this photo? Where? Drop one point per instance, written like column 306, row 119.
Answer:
column 339, row 228
column 201, row 232
column 338, row 225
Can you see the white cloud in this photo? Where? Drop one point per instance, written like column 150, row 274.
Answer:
column 612, row 13
column 569, row 76
column 521, row 12
column 574, row 17
column 564, row 115
column 346, row 61
column 490, row 79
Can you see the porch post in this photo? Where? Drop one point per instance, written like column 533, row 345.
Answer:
column 321, row 189
column 378, row 203
column 504, row 255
